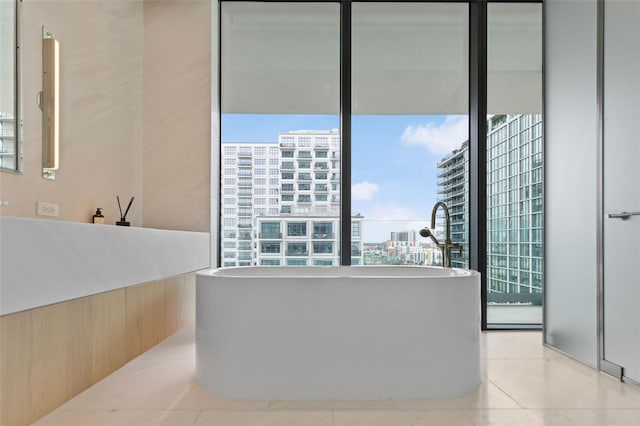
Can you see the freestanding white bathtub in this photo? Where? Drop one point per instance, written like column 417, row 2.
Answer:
column 338, row 332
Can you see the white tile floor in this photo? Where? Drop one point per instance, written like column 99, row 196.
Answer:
column 524, row 384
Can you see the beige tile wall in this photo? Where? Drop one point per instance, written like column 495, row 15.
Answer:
column 177, row 114
column 101, row 127
column 135, row 82
column 52, row 353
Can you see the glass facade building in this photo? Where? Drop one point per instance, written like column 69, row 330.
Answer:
column 514, row 207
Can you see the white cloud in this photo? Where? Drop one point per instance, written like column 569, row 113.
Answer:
column 440, row 139
column 363, row 190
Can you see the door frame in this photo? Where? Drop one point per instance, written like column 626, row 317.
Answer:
column 604, row 365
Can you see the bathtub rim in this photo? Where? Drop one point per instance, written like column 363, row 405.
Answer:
column 327, row 272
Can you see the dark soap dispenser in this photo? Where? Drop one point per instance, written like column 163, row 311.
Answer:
column 98, row 217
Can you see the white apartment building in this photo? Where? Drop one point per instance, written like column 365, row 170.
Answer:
column 297, row 239
column 294, row 181
column 310, row 171
column 250, row 188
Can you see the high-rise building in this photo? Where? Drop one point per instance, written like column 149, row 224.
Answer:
column 250, row 188
column 514, row 203
column 454, row 191
column 310, row 171
column 279, row 197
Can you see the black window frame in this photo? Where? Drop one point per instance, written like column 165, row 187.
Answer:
column 477, row 237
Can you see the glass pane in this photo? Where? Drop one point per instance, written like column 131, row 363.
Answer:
column 514, row 164
column 621, row 175
column 410, row 129
column 280, row 153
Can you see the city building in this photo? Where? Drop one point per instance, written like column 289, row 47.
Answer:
column 514, row 206
column 250, row 187
column 292, row 185
column 310, row 171
column 404, row 247
column 294, row 239
column 374, row 253
column 454, row 191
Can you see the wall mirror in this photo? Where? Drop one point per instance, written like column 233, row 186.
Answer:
column 10, row 93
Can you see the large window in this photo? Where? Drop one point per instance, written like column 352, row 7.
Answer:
column 280, row 98
column 514, row 164
column 323, row 230
column 292, row 178
column 270, row 230
column 297, row 229
column 410, row 128
column 269, row 247
column 322, row 247
column 297, row 249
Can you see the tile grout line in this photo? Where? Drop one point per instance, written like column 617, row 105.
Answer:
column 464, row 413
column 506, row 393
column 195, row 421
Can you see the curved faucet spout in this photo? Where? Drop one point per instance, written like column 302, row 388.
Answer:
column 447, row 245
column 447, row 218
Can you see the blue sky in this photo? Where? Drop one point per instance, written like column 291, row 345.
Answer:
column 394, row 157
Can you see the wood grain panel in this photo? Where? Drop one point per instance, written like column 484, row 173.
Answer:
column 49, row 355
column 109, row 333
column 52, row 353
column 79, row 347
column 173, row 295
column 145, row 317
column 15, row 368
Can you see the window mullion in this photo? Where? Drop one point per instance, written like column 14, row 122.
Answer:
column 345, row 127
column 478, row 145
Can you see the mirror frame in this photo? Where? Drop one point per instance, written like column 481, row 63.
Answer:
column 17, row 89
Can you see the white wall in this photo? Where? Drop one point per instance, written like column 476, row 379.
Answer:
column 570, row 178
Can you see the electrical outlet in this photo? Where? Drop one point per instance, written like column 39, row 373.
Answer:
column 47, row 209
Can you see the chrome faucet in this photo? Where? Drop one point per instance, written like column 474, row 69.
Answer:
column 448, row 244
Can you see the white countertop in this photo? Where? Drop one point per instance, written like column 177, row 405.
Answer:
column 45, row 261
